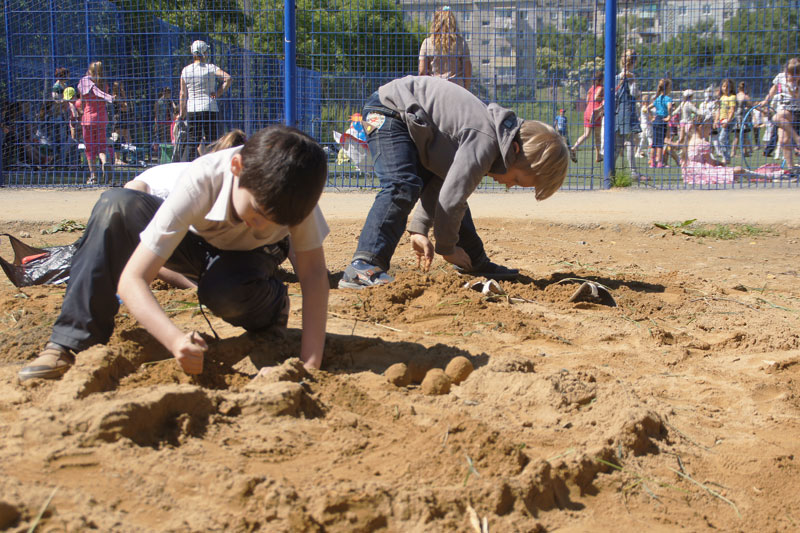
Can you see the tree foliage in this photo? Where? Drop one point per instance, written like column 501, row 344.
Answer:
column 331, row 35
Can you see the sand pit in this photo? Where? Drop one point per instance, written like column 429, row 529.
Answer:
column 679, row 409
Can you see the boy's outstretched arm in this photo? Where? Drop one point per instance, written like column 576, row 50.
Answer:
column 313, row 275
column 134, row 289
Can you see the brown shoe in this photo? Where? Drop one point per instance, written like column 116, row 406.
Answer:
column 52, row 363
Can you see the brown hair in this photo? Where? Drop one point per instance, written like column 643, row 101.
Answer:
column 664, row 86
column 598, row 77
column 117, row 90
column 285, row 170
column 545, row 153
column 62, row 73
column 235, row 137
column 444, row 31
column 793, row 66
column 727, row 82
column 741, row 87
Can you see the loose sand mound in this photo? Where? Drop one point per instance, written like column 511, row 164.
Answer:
column 677, row 409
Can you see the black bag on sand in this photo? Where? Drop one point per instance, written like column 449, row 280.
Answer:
column 38, row 266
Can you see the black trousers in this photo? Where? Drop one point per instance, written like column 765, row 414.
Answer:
column 198, row 126
column 238, row 286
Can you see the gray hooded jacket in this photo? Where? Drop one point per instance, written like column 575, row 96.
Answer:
column 459, row 138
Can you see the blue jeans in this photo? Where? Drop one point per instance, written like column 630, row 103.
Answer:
column 402, row 178
column 725, row 133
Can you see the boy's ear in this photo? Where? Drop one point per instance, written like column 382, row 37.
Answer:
column 236, row 165
column 515, row 144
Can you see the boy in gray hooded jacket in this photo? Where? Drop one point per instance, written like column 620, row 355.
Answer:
column 434, row 141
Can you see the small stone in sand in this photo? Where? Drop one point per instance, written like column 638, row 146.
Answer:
column 398, row 375
column 436, row 382
column 459, row 369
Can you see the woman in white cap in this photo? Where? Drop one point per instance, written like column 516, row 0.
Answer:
column 199, row 93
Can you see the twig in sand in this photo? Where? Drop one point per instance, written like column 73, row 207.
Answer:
column 560, row 455
column 651, row 493
column 640, row 478
column 682, row 434
column 680, row 461
column 390, row 328
column 776, row 306
column 718, row 299
column 446, row 434
column 470, row 470
column 708, row 490
column 480, row 526
column 473, row 518
column 582, row 280
column 42, row 511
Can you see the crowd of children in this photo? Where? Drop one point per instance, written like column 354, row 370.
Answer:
column 94, row 122
column 663, row 125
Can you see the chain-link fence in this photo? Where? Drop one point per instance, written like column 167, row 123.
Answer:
column 539, row 58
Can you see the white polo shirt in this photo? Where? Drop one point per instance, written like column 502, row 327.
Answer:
column 201, row 203
column 162, row 178
column 201, row 83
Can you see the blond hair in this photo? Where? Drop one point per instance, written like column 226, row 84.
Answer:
column 628, row 59
column 545, row 153
column 444, row 31
column 96, row 72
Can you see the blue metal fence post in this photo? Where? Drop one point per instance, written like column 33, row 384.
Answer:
column 9, row 55
column 52, row 24
column 608, row 83
column 289, row 64
column 88, row 30
column 248, row 112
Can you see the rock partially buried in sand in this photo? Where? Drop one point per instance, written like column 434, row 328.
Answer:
column 459, row 369
column 418, row 368
column 436, row 382
column 398, row 375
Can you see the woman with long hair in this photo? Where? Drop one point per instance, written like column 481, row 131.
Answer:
column 744, row 127
column 199, row 94
column 92, row 89
column 444, row 53
column 662, row 105
column 726, row 117
column 626, row 122
column 592, row 118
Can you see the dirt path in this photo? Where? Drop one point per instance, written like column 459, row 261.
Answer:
column 770, row 206
column 678, row 409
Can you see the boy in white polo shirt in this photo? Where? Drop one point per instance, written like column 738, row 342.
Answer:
column 216, row 228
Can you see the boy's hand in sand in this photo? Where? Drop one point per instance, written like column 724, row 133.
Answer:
column 459, row 258
column 190, row 352
column 424, row 250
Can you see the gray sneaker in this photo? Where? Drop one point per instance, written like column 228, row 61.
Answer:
column 360, row 274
